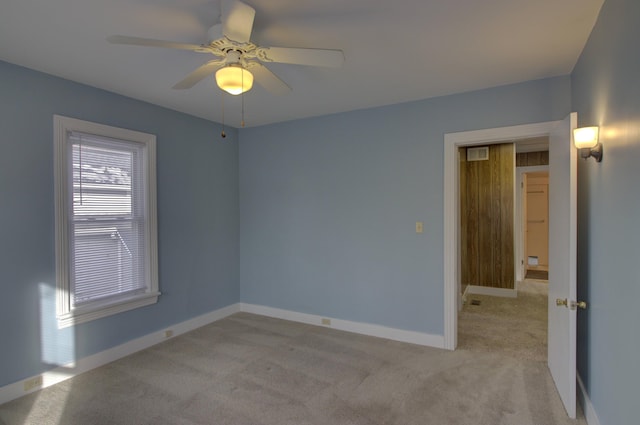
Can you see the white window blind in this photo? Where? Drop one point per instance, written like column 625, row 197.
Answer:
column 106, row 249
column 107, row 212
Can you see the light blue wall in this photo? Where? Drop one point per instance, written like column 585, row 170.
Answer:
column 328, row 205
column 606, row 92
column 198, row 221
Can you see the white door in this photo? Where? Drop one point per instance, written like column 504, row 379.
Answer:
column 562, row 261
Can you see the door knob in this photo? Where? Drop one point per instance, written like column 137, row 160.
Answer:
column 578, row 304
column 572, row 305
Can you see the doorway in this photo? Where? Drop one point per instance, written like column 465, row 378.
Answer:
column 493, row 319
column 535, row 225
column 451, row 240
column 532, row 174
column 562, row 241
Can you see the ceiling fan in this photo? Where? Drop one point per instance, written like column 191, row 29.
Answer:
column 238, row 60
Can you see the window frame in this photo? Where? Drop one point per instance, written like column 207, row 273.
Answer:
column 67, row 314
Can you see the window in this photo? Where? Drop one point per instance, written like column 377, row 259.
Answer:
column 106, row 237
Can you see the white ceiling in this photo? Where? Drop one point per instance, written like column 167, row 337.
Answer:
column 396, row 50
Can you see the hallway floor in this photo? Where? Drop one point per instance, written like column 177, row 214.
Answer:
column 512, row 326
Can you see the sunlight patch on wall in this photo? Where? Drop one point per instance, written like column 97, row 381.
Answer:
column 58, row 346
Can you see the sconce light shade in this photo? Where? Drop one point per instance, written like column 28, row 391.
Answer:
column 585, row 137
column 234, row 79
column 586, row 141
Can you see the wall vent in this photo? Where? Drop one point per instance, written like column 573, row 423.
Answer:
column 478, row 154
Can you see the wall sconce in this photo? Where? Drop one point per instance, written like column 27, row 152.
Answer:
column 586, row 141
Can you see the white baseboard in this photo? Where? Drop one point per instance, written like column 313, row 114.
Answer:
column 463, row 298
column 496, row 292
column 589, row 411
column 401, row 335
column 62, row 373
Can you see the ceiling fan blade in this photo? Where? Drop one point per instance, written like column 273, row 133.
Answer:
column 199, row 74
column 312, row 57
column 138, row 41
column 237, row 20
column 268, row 79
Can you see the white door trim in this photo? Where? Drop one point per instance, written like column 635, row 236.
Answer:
column 451, row 214
column 520, row 218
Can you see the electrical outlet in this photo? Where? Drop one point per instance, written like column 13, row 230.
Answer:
column 326, row 322
column 32, row 383
column 168, row 333
column 419, row 227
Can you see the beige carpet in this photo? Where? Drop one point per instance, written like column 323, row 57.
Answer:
column 513, row 326
column 249, row 369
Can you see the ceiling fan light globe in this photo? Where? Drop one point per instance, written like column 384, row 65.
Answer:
column 234, row 79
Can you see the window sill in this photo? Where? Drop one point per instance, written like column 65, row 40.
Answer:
column 109, row 308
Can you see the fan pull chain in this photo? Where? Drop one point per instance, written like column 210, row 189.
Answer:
column 242, row 100
column 242, row 121
column 223, row 134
